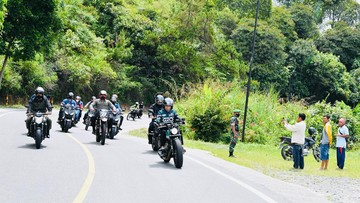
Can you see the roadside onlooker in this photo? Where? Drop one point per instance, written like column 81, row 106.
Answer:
column 343, row 132
column 234, row 131
column 326, row 140
column 297, row 139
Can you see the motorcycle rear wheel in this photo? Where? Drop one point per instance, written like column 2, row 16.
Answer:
column 286, row 152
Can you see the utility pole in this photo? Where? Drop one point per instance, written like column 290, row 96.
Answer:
column 249, row 76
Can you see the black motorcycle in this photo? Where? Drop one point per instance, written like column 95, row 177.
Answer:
column 101, row 126
column 67, row 121
column 132, row 114
column 90, row 115
column 173, row 147
column 114, row 119
column 38, row 127
column 309, row 144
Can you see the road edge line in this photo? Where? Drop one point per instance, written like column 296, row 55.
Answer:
column 244, row 185
column 91, row 172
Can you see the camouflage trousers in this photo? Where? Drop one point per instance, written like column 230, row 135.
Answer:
column 233, row 142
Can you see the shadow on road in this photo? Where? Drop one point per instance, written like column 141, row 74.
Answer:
column 31, row 146
column 149, row 152
column 162, row 164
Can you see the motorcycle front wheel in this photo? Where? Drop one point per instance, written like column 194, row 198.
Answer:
column 103, row 133
column 286, row 152
column 128, row 117
column 38, row 138
column 316, row 153
column 155, row 144
column 112, row 133
column 178, row 153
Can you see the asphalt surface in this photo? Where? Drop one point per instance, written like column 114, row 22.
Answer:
column 73, row 167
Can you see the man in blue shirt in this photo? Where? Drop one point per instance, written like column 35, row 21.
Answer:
column 70, row 100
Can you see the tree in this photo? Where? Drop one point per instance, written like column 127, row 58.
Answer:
column 269, row 57
column 305, row 24
column 342, row 40
column 317, row 75
column 247, row 8
column 2, row 12
column 28, row 28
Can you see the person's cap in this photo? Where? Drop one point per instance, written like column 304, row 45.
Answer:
column 236, row 110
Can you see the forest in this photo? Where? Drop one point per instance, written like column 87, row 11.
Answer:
column 306, row 49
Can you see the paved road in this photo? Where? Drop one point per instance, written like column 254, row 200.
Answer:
column 72, row 167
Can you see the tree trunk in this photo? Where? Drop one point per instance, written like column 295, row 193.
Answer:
column 3, row 68
column 7, row 56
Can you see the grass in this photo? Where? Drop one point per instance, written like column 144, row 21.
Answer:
column 267, row 159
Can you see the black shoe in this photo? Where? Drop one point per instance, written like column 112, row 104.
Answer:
column 47, row 136
column 149, row 142
column 28, row 134
column 93, row 132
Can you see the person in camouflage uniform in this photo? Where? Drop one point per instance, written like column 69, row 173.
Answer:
column 234, row 131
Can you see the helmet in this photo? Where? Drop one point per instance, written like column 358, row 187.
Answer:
column 236, row 110
column 311, row 130
column 159, row 99
column 168, row 102
column 114, row 95
column 93, row 98
column 71, row 95
column 137, row 103
column 103, row 92
column 78, row 97
column 39, row 90
column 113, row 99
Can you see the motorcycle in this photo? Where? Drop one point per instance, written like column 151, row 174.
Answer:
column 90, row 115
column 139, row 112
column 38, row 127
column 67, row 121
column 101, row 126
column 309, row 144
column 173, row 147
column 132, row 114
column 114, row 119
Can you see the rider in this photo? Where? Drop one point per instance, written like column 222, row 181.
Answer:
column 70, row 100
column 93, row 98
column 135, row 106
column 118, row 107
column 79, row 106
column 101, row 103
column 154, row 109
column 39, row 102
column 164, row 116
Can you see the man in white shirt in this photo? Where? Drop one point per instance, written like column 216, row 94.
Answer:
column 343, row 132
column 297, row 139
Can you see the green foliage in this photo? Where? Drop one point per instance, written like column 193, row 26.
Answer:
column 208, row 110
column 270, row 57
column 305, row 23
column 2, row 12
column 342, row 40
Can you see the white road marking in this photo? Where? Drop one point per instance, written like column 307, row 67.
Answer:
column 91, row 172
column 244, row 185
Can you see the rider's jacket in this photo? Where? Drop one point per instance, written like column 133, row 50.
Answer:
column 102, row 104
column 79, row 104
column 165, row 117
column 117, row 106
column 39, row 104
column 155, row 109
column 68, row 101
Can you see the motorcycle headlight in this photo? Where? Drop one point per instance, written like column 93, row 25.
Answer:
column 174, row 131
column 38, row 120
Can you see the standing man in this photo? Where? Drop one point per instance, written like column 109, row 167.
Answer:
column 297, row 139
column 343, row 132
column 326, row 140
column 234, row 131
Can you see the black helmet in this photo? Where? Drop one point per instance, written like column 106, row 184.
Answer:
column 168, row 102
column 39, row 90
column 159, row 99
column 311, row 130
column 71, row 95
